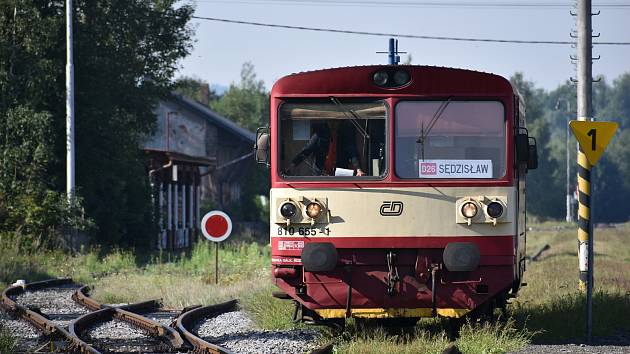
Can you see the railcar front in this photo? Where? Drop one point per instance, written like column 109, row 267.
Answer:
column 397, row 191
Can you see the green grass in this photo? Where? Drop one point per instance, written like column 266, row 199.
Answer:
column 427, row 337
column 39, row 265
column 430, row 336
column 493, row 338
column 551, row 304
column 549, row 309
column 7, row 342
column 267, row 311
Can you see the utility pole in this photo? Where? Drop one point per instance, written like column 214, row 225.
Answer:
column 70, row 185
column 569, row 216
column 584, row 113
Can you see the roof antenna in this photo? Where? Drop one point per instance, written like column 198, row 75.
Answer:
column 393, row 56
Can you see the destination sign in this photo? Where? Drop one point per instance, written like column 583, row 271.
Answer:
column 455, row 168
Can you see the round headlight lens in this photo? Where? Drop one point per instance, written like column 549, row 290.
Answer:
column 469, row 209
column 313, row 210
column 494, row 209
column 288, row 210
column 401, row 77
column 380, row 78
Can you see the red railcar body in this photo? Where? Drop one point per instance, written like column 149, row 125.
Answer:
column 387, row 265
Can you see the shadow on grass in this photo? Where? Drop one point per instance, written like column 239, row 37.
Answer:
column 563, row 319
column 24, row 268
column 571, row 255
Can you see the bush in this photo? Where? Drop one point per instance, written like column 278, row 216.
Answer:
column 32, row 213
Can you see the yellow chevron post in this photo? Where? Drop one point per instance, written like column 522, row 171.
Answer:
column 584, row 216
column 593, row 138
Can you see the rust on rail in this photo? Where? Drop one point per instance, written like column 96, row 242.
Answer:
column 127, row 313
column 75, row 344
column 188, row 319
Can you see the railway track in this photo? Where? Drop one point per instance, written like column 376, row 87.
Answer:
column 81, row 324
column 223, row 328
column 123, row 329
column 49, row 318
column 86, row 326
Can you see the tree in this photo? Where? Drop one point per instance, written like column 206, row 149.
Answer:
column 539, row 201
column 246, row 103
column 197, row 89
column 617, row 107
column 126, row 53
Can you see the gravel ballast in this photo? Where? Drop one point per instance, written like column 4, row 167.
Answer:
column 120, row 337
column 56, row 303
column 619, row 343
column 236, row 331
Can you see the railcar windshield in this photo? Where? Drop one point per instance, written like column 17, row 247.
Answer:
column 334, row 138
column 450, row 139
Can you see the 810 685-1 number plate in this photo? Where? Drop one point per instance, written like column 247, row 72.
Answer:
column 303, row 231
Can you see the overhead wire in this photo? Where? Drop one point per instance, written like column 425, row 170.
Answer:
column 399, row 35
column 429, row 4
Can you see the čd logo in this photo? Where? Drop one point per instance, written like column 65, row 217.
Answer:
column 391, row 208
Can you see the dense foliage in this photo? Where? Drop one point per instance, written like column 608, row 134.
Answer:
column 247, row 102
column 547, row 115
column 125, row 55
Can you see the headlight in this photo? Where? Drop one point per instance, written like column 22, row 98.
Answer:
column 288, row 210
column 494, row 209
column 380, row 78
column 401, row 77
column 313, row 210
column 469, row 210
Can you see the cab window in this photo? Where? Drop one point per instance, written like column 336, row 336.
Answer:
column 450, row 139
column 335, row 138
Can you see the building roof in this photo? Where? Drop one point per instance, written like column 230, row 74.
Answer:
column 214, row 117
column 183, row 158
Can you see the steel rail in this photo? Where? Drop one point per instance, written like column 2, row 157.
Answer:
column 189, row 318
column 130, row 314
column 40, row 322
column 81, row 324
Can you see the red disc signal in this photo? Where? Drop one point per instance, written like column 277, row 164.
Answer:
column 216, row 226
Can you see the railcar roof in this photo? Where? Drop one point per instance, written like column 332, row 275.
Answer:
column 426, row 80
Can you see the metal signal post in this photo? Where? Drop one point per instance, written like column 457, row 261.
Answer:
column 593, row 138
column 216, row 226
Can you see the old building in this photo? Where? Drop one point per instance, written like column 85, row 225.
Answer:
column 195, row 158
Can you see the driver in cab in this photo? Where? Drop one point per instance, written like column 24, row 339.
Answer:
column 334, row 150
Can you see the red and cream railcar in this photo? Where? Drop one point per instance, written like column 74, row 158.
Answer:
column 397, row 191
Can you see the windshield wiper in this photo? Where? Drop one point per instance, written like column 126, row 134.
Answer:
column 354, row 119
column 438, row 113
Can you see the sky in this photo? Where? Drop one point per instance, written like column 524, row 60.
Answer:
column 220, row 49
